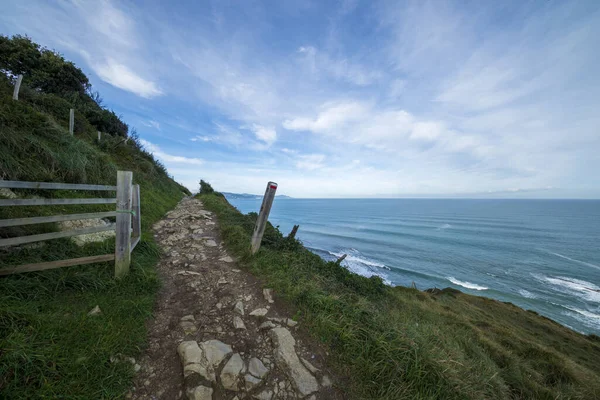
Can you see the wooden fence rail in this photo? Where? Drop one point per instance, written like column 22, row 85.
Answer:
column 127, row 226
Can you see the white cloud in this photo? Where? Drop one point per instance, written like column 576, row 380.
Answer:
column 169, row 158
column 310, row 161
column 121, row 76
column 152, row 124
column 267, row 135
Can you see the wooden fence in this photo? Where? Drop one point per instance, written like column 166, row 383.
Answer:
column 127, row 226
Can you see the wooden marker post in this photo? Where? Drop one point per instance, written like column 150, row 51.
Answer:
column 263, row 216
column 99, row 136
column 123, row 226
column 71, row 121
column 17, row 87
column 137, row 217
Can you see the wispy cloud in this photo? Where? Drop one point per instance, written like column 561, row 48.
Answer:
column 169, row 158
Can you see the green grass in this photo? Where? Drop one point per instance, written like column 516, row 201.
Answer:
column 49, row 346
column 401, row 343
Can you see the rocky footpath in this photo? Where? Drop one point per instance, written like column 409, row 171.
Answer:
column 217, row 333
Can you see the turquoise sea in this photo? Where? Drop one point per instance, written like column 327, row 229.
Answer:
column 542, row 255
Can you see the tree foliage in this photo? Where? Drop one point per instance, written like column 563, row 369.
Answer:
column 47, row 71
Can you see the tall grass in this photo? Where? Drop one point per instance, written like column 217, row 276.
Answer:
column 401, row 343
column 49, row 346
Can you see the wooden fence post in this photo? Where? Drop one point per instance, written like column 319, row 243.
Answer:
column 17, row 87
column 263, row 216
column 137, row 217
column 71, row 121
column 99, row 136
column 123, row 226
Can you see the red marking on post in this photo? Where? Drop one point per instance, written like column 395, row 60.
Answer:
column 273, row 187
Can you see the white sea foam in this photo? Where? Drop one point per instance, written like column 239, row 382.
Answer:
column 468, row 285
column 588, row 318
column 361, row 265
column 587, row 264
column 577, row 287
column 527, row 294
column 445, row 226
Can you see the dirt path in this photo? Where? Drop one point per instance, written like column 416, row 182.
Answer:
column 233, row 336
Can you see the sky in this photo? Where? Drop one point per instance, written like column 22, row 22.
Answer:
column 346, row 98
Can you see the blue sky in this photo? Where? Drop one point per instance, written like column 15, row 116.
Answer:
column 346, row 98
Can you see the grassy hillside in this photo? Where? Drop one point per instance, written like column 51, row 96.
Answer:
column 401, row 343
column 49, row 346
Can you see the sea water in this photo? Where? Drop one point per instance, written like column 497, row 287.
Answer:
column 542, row 255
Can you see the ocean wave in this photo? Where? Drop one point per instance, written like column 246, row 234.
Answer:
column 468, row 285
column 587, row 264
column 577, row 287
column 588, row 318
column 445, row 226
column 527, row 294
column 359, row 264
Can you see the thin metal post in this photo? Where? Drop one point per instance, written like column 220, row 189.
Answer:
column 263, row 216
column 71, row 121
column 123, row 228
column 17, row 87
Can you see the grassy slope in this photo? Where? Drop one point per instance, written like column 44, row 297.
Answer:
column 49, row 347
column 401, row 343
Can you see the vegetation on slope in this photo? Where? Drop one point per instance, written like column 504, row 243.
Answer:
column 401, row 343
column 49, row 346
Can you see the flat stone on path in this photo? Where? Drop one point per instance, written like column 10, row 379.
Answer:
column 200, row 393
column 287, row 359
column 259, row 312
column 231, row 372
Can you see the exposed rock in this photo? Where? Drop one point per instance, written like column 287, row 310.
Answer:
column 187, row 324
column 189, row 317
column 231, row 373
column 326, row 382
column 137, row 367
column 188, row 273
column 267, row 325
column 203, row 359
column 259, row 312
column 239, row 308
column 264, row 395
column 268, row 295
column 95, row 311
column 211, row 243
column 251, row 382
column 81, row 240
column 257, row 368
column 7, row 193
column 222, row 281
column 286, row 358
column 200, row 393
column 238, row 323
column 291, row 323
column 309, row 366
column 226, row 259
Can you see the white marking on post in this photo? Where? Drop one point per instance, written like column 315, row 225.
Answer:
column 71, row 121
column 263, row 216
column 17, row 87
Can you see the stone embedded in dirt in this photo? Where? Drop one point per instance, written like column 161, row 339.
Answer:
column 200, row 393
column 267, row 325
column 137, row 367
column 211, row 243
column 326, row 382
column 188, row 273
column 238, row 323
column 191, row 358
column 309, row 366
column 187, row 324
column 222, row 281
column 286, row 358
column 257, row 368
column 95, row 311
column 259, row 312
column 202, row 359
column 231, row 372
column 215, row 351
column 239, row 308
column 251, row 382
column 268, row 294
column 291, row 323
column 226, row 259
column 264, row 395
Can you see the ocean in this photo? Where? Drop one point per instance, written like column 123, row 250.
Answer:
column 542, row 255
